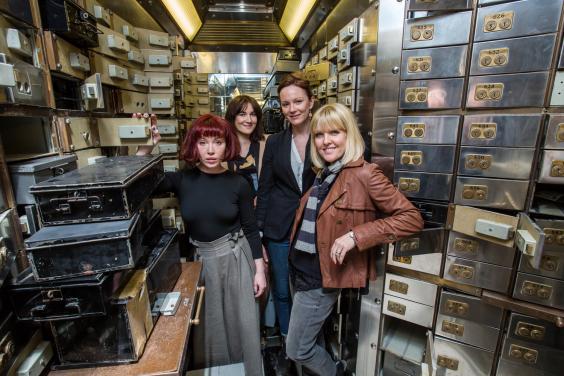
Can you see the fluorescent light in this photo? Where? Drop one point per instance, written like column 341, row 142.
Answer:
column 295, row 13
column 185, row 15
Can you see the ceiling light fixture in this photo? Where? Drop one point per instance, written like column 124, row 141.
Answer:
column 294, row 16
column 185, row 15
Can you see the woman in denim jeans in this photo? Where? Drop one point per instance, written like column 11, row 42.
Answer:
column 336, row 229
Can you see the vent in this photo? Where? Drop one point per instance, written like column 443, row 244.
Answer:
column 240, row 33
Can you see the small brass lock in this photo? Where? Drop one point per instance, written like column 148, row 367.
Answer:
column 557, row 168
column 396, row 308
column 475, row 192
column 422, row 32
column 462, row 271
column 498, row 21
column 419, row 132
column 475, row 132
column 407, row 132
column 415, row 35
column 402, row 259
column 560, row 133
column 411, row 157
column 531, row 331
column 409, row 185
column 416, row 130
column 446, row 362
column 486, row 60
column 419, row 64
column 416, row 94
column 465, row 245
column 530, row 356
column 549, row 263
column 399, row 287
column 542, row 291
column 453, row 328
column 493, row 91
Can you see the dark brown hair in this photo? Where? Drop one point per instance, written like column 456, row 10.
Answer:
column 238, row 105
column 296, row 79
column 209, row 126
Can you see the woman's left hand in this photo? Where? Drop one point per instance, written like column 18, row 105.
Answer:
column 340, row 248
column 259, row 281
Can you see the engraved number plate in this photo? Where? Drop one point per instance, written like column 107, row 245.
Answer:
column 539, row 290
column 422, row 32
column 524, row 329
column 554, row 236
column 465, row 245
column 419, row 64
column 560, row 133
column 557, row 169
column 457, row 308
column 402, row 259
column 409, row 185
column 410, row 244
column 396, row 308
column 498, row 21
column 488, row 92
column 483, row 130
column 399, row 287
column 416, row 94
column 446, row 362
column 414, row 130
column 526, row 354
column 495, row 57
column 453, row 328
column 475, row 192
column 414, row 158
column 478, row 161
column 462, row 271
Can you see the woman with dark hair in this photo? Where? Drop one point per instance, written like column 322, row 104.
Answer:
column 217, row 207
column 286, row 174
column 244, row 115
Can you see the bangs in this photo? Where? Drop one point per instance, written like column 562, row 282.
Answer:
column 326, row 121
column 208, row 128
column 328, row 126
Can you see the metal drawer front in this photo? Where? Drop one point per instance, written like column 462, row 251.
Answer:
column 468, row 332
column 429, row 263
column 555, row 133
column 424, row 64
column 82, row 133
column 440, row 4
column 470, row 308
column 348, row 34
column 411, row 289
column 551, row 265
column 437, row 31
column 424, row 185
column 428, row 240
column 64, row 57
column 431, row 94
column 161, row 103
column 491, row 193
column 490, row 162
column 157, row 60
column 513, row 55
column 332, row 86
column 433, row 214
column 407, row 310
column 350, row 99
column 516, row 19
column 554, row 234
column 396, row 366
column 427, row 129
column 501, row 130
column 464, row 246
column 552, row 168
column 135, row 56
column 538, row 359
column 348, row 79
column 540, row 290
column 536, row 331
column 112, row 43
column 462, row 360
column 511, row 90
column 479, row 274
column 428, row 158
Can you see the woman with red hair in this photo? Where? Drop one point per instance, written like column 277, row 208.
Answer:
column 217, row 208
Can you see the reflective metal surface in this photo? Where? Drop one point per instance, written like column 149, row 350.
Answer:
column 428, row 158
column 349, row 99
column 437, row 31
column 235, row 62
column 462, row 360
column 540, row 290
column 517, row 55
column 428, row 240
column 554, row 138
column 424, row 185
column 383, row 135
column 552, row 168
column 407, row 310
column 431, row 94
column 492, row 193
column 440, row 4
column 530, row 329
column 501, row 130
column 534, row 359
column 411, row 289
column 511, row 90
column 429, row 263
column 348, row 79
column 427, row 129
column 516, row 19
column 508, row 163
column 460, row 245
column 479, row 274
column 443, row 62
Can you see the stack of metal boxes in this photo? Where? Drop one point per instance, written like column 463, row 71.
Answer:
column 99, row 263
column 489, row 159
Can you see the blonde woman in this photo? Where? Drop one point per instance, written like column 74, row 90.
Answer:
column 335, row 229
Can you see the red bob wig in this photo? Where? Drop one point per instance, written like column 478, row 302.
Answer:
column 209, row 126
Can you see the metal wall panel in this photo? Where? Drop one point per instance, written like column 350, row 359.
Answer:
column 491, row 193
column 479, row 274
column 428, row 158
column 540, row 332
column 443, row 62
column 511, row 90
column 428, row 129
column 517, row 19
column 501, row 130
column 507, row 163
column 460, row 245
column 527, row 54
column 462, row 360
column 541, row 290
column 467, row 331
column 437, row 31
column 429, row 263
column 439, row 5
column 431, row 94
column 424, row 185
column 534, row 359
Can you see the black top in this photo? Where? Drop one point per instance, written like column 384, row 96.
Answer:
column 279, row 194
column 247, row 166
column 213, row 205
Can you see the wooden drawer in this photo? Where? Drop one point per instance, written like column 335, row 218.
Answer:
column 77, row 133
column 124, row 131
column 103, row 16
column 200, row 90
column 171, row 165
column 162, row 104
column 84, row 154
column 132, row 102
column 136, row 58
column 183, row 62
column 160, row 82
column 157, row 60
column 65, row 58
column 198, row 111
column 122, row 26
column 112, row 43
column 118, row 73
column 153, row 39
column 199, row 78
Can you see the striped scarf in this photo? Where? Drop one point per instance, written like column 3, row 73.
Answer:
column 305, row 240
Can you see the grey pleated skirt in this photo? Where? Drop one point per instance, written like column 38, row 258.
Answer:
column 229, row 330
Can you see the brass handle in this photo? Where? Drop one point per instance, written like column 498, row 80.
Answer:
column 196, row 320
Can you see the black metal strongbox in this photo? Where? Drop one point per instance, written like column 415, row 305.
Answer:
column 112, row 188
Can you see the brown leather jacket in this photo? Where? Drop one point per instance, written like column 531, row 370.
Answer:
column 359, row 198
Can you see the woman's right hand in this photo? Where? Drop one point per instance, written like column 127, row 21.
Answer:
column 155, row 135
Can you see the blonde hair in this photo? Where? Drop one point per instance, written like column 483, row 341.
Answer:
column 336, row 116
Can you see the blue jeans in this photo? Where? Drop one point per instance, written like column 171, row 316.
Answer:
column 309, row 312
column 278, row 256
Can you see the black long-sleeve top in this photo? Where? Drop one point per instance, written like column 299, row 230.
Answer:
column 213, row 205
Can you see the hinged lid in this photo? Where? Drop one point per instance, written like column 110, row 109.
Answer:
column 81, row 233
column 41, row 163
column 26, row 280
column 108, row 172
